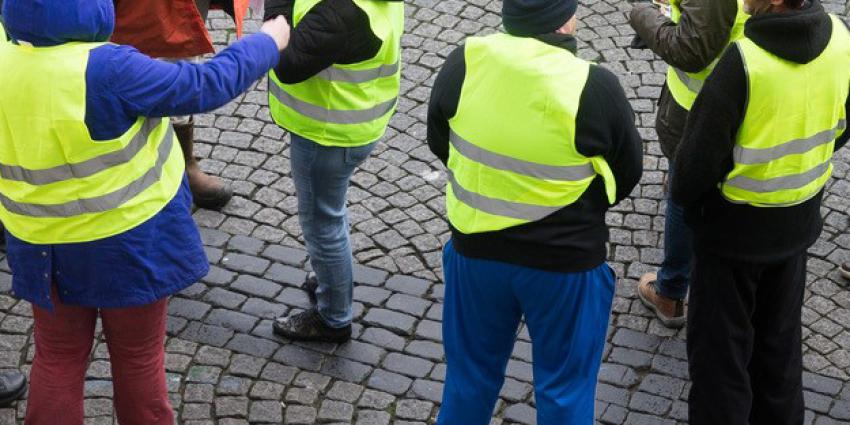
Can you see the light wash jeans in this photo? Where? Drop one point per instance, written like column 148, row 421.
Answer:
column 322, row 175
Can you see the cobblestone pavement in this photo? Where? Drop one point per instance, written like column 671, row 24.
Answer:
column 225, row 366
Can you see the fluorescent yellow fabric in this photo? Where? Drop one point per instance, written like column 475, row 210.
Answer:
column 794, row 115
column 513, row 157
column 685, row 86
column 345, row 105
column 57, row 185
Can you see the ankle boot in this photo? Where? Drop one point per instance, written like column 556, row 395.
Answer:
column 207, row 191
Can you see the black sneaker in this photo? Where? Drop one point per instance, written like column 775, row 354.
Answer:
column 13, row 385
column 309, row 326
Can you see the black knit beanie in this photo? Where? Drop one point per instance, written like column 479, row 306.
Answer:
column 526, row 18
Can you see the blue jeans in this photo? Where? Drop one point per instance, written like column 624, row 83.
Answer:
column 567, row 316
column 673, row 278
column 322, row 175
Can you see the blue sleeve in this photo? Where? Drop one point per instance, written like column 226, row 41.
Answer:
column 123, row 84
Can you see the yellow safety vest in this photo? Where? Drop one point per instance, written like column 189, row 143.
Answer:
column 57, row 185
column 345, row 105
column 513, row 157
column 685, row 86
column 794, row 115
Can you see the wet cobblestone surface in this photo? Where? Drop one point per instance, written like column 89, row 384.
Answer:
column 225, row 367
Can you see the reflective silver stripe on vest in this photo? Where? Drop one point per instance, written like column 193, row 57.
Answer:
column 794, row 181
column 361, row 76
column 498, row 206
column 103, row 203
column 744, row 155
column 526, row 168
column 693, row 85
column 328, row 115
column 82, row 169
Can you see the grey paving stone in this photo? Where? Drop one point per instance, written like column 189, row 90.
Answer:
column 189, row 309
column 312, row 380
column 408, row 304
column 231, row 406
column 256, row 287
column 345, row 391
column 233, row 386
column 414, row 409
column 372, row 417
column 265, row 390
column 245, row 263
column 285, row 255
column 213, row 356
column 331, row 410
column 254, row 346
column 228, row 319
column 394, row 321
column 643, row 402
column 383, row 338
column 223, row 298
column 302, row 395
column 345, row 369
column 300, row 415
column 378, row 400
column 300, row 358
column 266, row 412
column 279, row 373
column 389, row 382
column 407, row 365
column 408, row 285
column 286, row 275
column 521, row 413
column 248, row 366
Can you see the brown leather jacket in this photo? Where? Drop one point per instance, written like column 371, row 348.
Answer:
column 700, row 37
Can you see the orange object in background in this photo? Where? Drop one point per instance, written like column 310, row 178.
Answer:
column 169, row 28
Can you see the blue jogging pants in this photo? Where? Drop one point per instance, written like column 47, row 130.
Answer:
column 567, row 316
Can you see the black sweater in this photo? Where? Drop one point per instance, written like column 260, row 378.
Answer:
column 704, row 158
column 574, row 238
column 333, row 32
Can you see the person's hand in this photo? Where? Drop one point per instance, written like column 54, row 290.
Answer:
column 278, row 29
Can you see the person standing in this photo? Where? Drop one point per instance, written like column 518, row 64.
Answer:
column 690, row 38
column 94, row 196
column 175, row 30
column 13, row 384
column 538, row 144
column 751, row 171
column 335, row 89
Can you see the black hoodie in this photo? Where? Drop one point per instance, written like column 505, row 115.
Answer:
column 333, row 32
column 743, row 232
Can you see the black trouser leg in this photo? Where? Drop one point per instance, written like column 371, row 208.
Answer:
column 720, row 341
column 776, row 367
column 744, row 337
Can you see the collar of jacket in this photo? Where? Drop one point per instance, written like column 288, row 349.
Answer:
column 799, row 36
column 562, row 41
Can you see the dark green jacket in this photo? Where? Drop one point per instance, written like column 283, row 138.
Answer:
column 700, row 37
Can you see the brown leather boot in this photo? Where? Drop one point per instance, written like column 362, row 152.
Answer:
column 670, row 312
column 207, row 191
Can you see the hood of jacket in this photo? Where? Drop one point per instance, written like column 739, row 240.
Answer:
column 45, row 23
column 799, row 36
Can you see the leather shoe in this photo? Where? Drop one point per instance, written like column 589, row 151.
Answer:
column 13, row 385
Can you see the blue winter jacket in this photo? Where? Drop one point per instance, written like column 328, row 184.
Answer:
column 164, row 254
